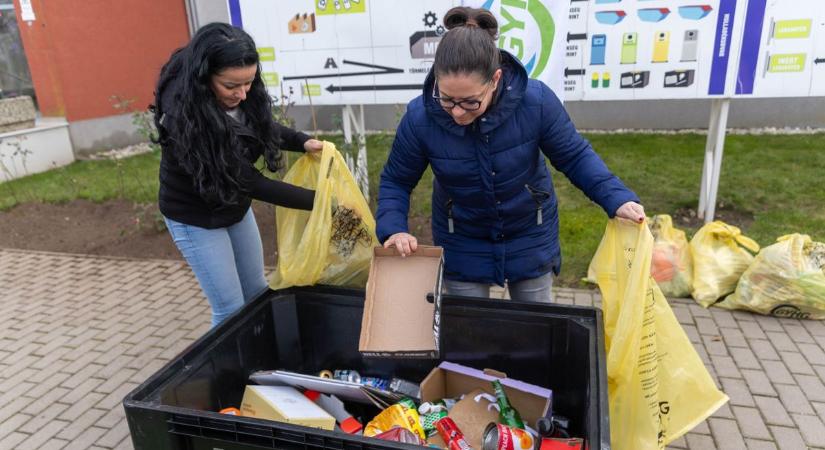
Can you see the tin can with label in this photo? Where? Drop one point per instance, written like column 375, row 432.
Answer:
column 347, row 375
column 503, row 437
column 378, row 383
column 451, row 435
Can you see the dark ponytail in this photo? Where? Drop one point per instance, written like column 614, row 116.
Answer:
column 469, row 47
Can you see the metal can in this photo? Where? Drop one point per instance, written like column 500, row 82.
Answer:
column 451, row 435
column 502, row 437
column 378, row 383
column 347, row 375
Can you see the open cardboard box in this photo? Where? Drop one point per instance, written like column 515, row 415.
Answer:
column 398, row 320
column 450, row 380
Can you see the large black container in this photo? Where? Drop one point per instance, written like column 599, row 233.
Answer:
column 310, row 329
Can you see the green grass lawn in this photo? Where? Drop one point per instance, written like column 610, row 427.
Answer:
column 774, row 182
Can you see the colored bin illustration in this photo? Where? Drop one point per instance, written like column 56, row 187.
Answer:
column 695, row 12
column 610, row 17
column 653, row 14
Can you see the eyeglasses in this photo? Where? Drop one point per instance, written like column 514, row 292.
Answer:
column 467, row 105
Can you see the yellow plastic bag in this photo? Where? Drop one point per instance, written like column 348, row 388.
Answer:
column 787, row 279
column 672, row 263
column 332, row 244
column 719, row 259
column 657, row 385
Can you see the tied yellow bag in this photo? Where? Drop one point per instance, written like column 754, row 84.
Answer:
column 672, row 263
column 332, row 244
column 787, row 279
column 719, row 259
column 658, row 387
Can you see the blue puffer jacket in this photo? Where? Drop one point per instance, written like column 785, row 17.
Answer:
column 493, row 206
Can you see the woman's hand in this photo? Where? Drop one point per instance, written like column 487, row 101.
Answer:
column 313, row 146
column 631, row 211
column 405, row 243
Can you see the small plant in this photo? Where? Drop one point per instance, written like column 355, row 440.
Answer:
column 143, row 120
column 18, row 151
column 280, row 107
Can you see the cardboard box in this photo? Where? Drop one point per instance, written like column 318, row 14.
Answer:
column 398, row 320
column 450, row 380
column 284, row 404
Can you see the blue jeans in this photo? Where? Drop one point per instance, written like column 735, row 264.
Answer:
column 228, row 262
column 538, row 289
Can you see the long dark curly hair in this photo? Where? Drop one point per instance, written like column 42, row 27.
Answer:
column 204, row 142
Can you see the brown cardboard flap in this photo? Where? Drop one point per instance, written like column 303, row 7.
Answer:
column 472, row 417
column 495, row 373
column 446, row 384
column 397, row 317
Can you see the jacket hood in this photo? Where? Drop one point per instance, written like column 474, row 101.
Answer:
column 510, row 92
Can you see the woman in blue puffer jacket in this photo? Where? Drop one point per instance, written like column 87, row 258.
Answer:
column 485, row 128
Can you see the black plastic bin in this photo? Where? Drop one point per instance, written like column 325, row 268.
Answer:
column 310, row 329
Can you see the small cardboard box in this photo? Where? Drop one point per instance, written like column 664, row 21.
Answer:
column 450, row 380
column 398, row 320
column 284, row 404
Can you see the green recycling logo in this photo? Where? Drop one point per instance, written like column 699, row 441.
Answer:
column 515, row 31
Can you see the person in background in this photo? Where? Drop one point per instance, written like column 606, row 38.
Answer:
column 214, row 121
column 485, row 128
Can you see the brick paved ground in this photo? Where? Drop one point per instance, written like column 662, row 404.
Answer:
column 77, row 333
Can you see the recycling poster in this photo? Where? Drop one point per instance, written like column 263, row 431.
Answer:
column 783, row 49
column 656, row 49
column 338, row 52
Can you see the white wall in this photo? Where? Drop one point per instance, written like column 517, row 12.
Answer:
column 34, row 150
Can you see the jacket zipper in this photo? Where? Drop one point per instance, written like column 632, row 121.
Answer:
column 450, row 228
column 538, row 197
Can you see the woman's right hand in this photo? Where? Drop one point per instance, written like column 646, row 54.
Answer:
column 405, row 243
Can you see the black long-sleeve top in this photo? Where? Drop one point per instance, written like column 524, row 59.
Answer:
column 180, row 201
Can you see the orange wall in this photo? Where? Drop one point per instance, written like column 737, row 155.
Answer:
column 81, row 53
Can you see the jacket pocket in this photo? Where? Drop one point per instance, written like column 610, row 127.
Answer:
column 539, row 196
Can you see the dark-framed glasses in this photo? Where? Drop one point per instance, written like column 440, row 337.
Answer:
column 467, row 104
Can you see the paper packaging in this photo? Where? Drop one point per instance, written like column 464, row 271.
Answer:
column 450, row 380
column 284, row 404
column 398, row 320
column 472, row 418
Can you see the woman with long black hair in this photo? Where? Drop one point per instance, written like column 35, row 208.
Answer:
column 214, row 119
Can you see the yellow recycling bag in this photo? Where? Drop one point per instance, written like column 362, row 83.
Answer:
column 672, row 263
column 787, row 279
column 332, row 244
column 719, row 259
column 657, row 385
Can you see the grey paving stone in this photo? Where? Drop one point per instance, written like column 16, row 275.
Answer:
column 777, row 372
column 750, row 423
column 796, row 363
column 773, row 411
column 726, row 433
column 734, row 337
column 725, row 367
column 788, row 438
column 754, row 444
column 738, row 391
column 781, row 342
column 794, row 399
column 758, row 382
column 811, row 385
column 799, row 334
column 811, row 428
column 744, row 358
column 813, row 353
column 700, row 442
column 763, row 349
